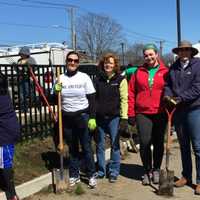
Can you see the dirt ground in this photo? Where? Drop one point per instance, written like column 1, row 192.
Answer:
column 128, row 186
column 31, row 159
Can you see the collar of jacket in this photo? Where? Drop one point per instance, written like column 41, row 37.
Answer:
column 105, row 77
column 160, row 67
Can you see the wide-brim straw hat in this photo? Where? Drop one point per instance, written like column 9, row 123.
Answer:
column 185, row 44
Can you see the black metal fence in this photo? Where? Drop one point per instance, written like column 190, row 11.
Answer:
column 32, row 112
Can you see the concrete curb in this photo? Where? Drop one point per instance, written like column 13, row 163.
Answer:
column 31, row 187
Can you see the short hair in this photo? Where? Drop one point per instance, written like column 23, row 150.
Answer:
column 24, row 51
column 72, row 52
column 106, row 57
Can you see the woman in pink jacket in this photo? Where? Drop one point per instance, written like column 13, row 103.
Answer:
column 145, row 108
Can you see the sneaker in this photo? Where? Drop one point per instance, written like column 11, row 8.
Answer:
column 74, row 180
column 112, row 179
column 155, row 176
column 146, row 180
column 92, row 182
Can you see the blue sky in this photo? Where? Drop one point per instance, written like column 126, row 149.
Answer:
column 31, row 21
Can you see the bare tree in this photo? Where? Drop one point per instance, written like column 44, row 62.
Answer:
column 168, row 59
column 134, row 54
column 98, row 34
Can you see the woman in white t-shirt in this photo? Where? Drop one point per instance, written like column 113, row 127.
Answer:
column 78, row 110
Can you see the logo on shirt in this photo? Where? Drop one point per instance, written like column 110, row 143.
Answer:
column 74, row 86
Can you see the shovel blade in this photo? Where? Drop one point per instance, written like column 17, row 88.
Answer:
column 60, row 180
column 166, row 183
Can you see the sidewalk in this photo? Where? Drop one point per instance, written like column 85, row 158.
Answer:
column 128, row 186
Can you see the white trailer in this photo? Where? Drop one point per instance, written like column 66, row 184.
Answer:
column 43, row 53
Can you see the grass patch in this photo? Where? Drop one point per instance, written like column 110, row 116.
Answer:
column 30, row 160
column 79, row 190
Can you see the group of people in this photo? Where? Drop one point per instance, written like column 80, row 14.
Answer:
column 109, row 103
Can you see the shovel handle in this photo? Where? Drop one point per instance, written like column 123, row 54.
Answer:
column 169, row 125
column 60, row 125
column 42, row 93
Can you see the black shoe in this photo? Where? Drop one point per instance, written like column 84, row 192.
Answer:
column 112, row 179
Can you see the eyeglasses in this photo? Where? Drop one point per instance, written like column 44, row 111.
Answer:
column 71, row 60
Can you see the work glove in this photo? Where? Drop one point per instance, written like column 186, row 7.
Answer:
column 123, row 128
column 58, row 87
column 92, row 125
column 123, row 125
column 131, row 121
column 171, row 102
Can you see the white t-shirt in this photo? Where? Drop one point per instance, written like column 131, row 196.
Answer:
column 74, row 90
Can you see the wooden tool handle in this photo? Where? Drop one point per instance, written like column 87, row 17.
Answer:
column 61, row 145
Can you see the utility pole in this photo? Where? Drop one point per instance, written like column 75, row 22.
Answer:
column 123, row 61
column 161, row 42
column 161, row 47
column 72, row 28
column 178, row 21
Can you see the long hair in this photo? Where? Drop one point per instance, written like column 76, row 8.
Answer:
column 105, row 58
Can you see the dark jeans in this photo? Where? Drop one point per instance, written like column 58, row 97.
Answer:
column 187, row 126
column 26, row 92
column 151, row 130
column 75, row 133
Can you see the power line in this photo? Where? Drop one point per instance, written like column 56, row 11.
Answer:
column 35, row 26
column 29, row 6
column 50, row 3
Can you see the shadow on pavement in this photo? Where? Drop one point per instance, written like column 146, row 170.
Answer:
column 132, row 171
column 52, row 160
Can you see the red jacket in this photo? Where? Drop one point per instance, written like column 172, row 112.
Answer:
column 142, row 98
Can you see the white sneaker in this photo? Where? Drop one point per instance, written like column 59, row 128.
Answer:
column 92, row 182
column 74, row 180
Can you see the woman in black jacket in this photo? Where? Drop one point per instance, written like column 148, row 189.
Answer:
column 111, row 112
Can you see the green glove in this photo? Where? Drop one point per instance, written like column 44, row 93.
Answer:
column 92, row 124
column 58, row 87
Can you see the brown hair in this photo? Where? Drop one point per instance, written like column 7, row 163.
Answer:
column 106, row 58
column 70, row 53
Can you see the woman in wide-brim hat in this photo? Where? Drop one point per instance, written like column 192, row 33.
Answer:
column 183, row 86
column 185, row 45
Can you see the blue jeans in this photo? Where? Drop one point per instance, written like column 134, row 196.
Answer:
column 75, row 132
column 187, row 126
column 110, row 126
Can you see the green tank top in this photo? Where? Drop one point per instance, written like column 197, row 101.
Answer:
column 152, row 71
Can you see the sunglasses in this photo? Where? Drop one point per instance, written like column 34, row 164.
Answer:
column 71, row 60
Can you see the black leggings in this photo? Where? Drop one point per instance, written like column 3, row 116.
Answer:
column 7, row 182
column 151, row 130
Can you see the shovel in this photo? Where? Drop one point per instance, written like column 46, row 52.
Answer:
column 60, row 175
column 166, row 180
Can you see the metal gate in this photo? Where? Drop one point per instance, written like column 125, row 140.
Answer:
column 32, row 112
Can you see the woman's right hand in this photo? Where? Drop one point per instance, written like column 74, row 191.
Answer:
column 58, row 87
